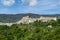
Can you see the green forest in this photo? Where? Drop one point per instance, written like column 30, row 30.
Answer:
column 37, row 30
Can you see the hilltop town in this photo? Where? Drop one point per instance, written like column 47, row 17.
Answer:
column 27, row 19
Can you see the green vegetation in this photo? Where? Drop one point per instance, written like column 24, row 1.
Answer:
column 37, row 30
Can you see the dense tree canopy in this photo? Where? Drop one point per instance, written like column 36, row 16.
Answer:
column 37, row 30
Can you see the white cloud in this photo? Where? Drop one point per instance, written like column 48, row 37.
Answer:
column 33, row 3
column 8, row 2
column 30, row 2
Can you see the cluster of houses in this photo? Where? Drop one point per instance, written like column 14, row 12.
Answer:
column 27, row 19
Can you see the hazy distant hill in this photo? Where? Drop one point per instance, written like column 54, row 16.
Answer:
column 16, row 17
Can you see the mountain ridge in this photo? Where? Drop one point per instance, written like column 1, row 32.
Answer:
column 16, row 17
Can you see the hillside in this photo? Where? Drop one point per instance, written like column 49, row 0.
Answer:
column 17, row 17
column 37, row 30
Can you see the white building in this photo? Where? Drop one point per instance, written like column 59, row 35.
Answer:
column 26, row 19
column 8, row 24
column 45, row 19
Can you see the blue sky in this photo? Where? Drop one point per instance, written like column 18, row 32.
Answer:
column 30, row 6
